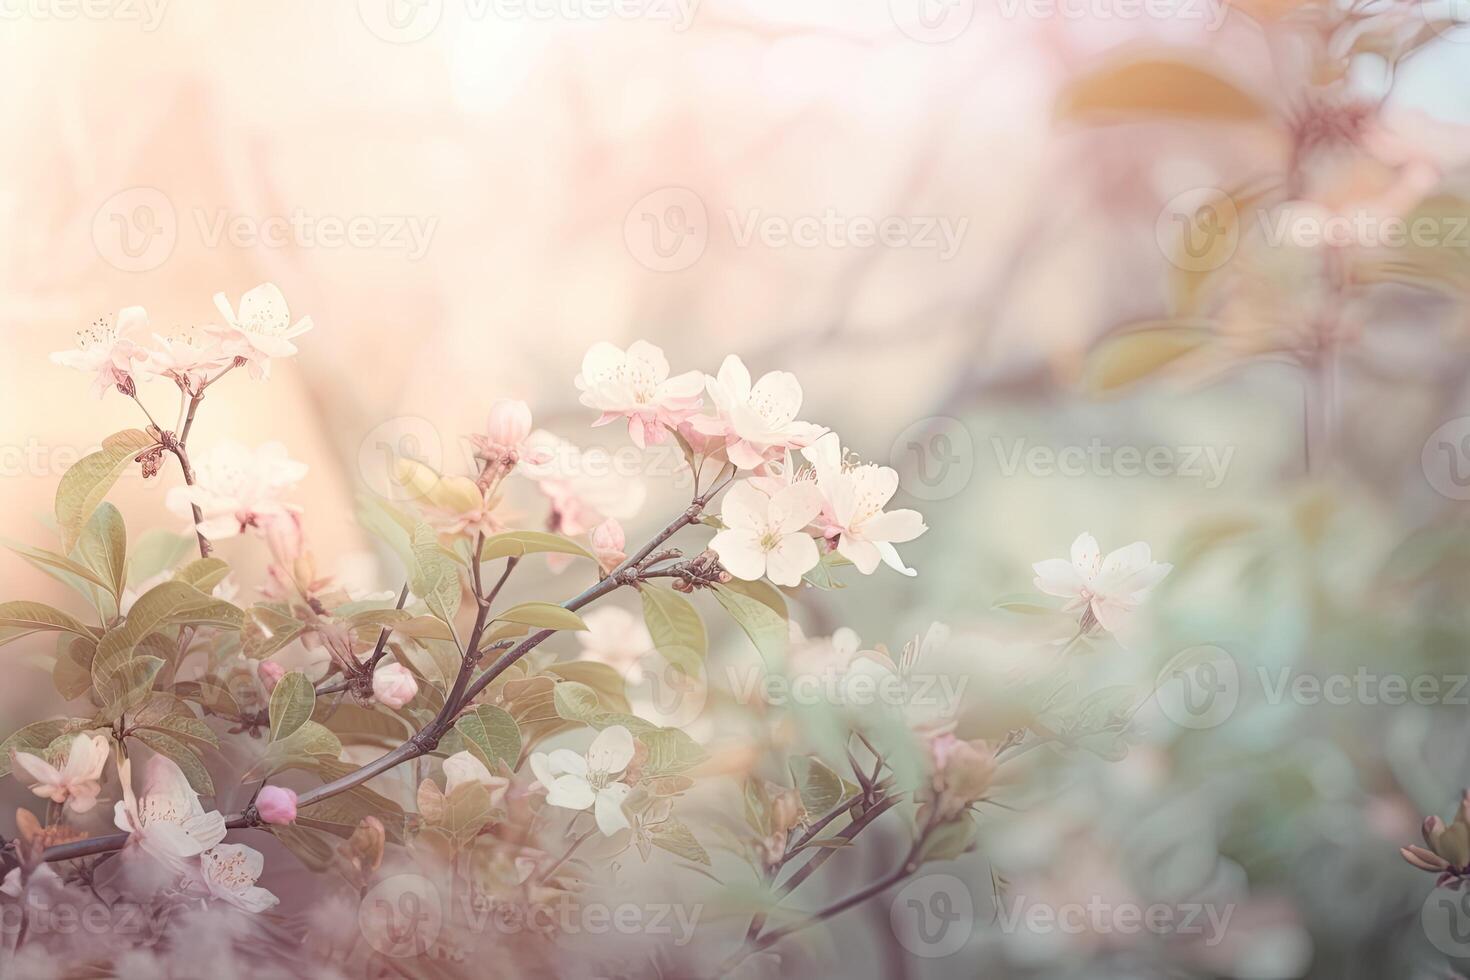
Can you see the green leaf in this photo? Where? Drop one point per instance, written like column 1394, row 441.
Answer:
column 203, row 573
column 491, row 733
column 72, row 674
column 761, row 612
column 304, row 748
column 823, row 574
column 949, row 840
column 677, row 630
column 821, row 789
column 542, row 615
column 60, row 567
column 183, row 727
column 518, row 544
column 104, row 548
column 670, row 752
column 187, row 759
column 292, row 702
column 127, row 685
column 166, row 604
column 676, row 838
column 434, row 575
column 85, row 485
column 156, row 552
column 37, row 617
column 576, row 702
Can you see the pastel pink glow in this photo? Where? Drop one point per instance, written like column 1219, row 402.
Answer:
column 394, row 686
column 276, row 805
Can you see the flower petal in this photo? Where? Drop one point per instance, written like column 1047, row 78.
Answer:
column 611, row 750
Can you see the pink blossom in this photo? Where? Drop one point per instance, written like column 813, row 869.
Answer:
column 609, row 544
column 854, row 497
column 1110, row 588
column 187, row 360
column 238, row 488
column 270, row 674
column 394, row 686
column 506, row 431
column 106, row 348
column 757, row 422
column 635, row 385
column 276, row 805
column 260, row 330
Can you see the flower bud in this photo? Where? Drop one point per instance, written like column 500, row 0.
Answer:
column 609, row 544
column 276, row 805
column 509, row 424
column 962, row 773
column 270, row 674
column 394, row 686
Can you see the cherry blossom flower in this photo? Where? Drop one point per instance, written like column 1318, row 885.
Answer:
column 585, row 486
column 77, row 782
column 261, row 329
column 276, row 804
column 504, row 441
column 854, row 496
column 166, row 821
column 961, row 773
column 106, row 348
column 767, row 535
column 238, row 488
column 757, row 422
column 230, row 872
column 576, row 782
column 463, row 767
column 609, row 544
column 635, row 384
column 618, row 638
column 1107, row 589
column 186, row 359
column 394, row 686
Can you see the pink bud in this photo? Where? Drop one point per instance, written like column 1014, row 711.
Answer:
column 509, row 423
column 270, row 674
column 276, row 804
column 608, row 544
column 394, row 686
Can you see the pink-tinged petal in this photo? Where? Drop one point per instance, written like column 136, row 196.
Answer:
column 1422, row 859
column 83, row 797
column 734, row 377
column 745, row 508
column 794, row 507
column 1086, row 556
column 1111, row 613
column 38, row 769
column 1143, row 580
column 892, row 560
column 777, row 397
column 863, row 554
column 1125, row 561
column 611, row 750
column 1058, row 577
column 825, row 455
column 609, row 809
column 896, row 526
column 744, row 455
column 741, row 553
column 791, row 559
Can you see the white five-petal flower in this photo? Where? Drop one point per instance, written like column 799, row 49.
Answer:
column 757, row 421
column 238, row 488
column 108, row 348
column 767, row 535
column 230, row 873
column 77, row 782
column 576, row 782
column 635, row 384
column 260, row 330
column 1109, row 588
column 852, row 511
column 166, row 821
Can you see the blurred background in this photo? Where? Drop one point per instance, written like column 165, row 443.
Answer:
column 1124, row 266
